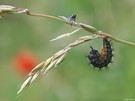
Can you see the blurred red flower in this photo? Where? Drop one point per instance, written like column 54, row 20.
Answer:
column 25, row 61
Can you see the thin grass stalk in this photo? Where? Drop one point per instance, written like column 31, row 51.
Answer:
column 86, row 27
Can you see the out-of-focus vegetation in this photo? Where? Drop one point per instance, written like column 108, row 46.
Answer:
column 74, row 79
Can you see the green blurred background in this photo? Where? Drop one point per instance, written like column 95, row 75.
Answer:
column 74, row 79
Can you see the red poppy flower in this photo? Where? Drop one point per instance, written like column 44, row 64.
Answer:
column 25, row 61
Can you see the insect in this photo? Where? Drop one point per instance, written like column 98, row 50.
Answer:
column 71, row 18
column 103, row 58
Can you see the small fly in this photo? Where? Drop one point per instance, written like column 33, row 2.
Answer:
column 72, row 18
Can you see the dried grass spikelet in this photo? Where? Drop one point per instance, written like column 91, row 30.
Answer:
column 52, row 62
column 7, row 9
column 65, row 35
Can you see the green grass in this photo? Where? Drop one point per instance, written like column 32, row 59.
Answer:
column 74, row 79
